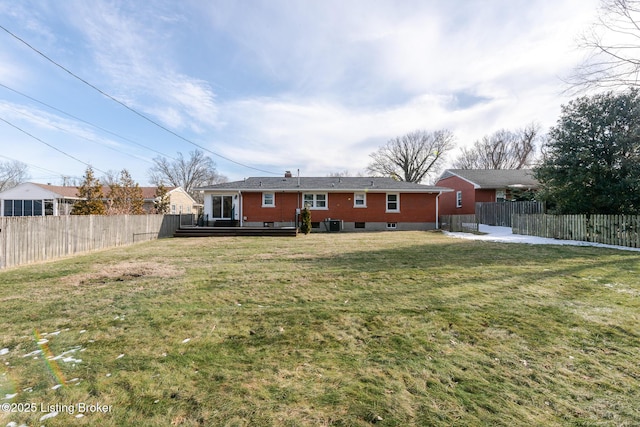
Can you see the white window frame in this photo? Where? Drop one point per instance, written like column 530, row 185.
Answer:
column 458, row 199
column 392, row 226
column 313, row 202
column 264, row 200
column 397, row 202
column 360, row 197
column 224, row 210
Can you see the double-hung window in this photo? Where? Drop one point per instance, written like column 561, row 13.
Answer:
column 360, row 200
column 268, row 200
column 393, row 202
column 459, row 199
column 315, row 200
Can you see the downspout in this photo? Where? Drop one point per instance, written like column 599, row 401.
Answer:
column 240, row 208
column 437, row 210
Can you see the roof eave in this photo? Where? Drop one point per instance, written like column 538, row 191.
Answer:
column 329, row 190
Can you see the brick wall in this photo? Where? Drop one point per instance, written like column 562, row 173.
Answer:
column 414, row 207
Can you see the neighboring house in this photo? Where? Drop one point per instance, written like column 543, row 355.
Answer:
column 31, row 199
column 346, row 202
column 482, row 185
column 180, row 202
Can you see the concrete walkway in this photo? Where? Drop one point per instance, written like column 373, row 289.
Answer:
column 504, row 235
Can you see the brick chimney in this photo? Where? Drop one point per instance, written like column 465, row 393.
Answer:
column 288, row 174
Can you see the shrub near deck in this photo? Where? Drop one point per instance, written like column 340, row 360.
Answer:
column 402, row 328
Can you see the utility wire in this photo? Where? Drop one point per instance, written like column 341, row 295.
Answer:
column 84, row 121
column 49, row 145
column 87, row 139
column 136, row 112
column 38, row 167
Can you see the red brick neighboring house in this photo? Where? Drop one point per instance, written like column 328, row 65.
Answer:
column 356, row 203
column 481, row 185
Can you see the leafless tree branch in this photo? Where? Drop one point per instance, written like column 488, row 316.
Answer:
column 613, row 46
column 12, row 173
column 503, row 149
column 412, row 157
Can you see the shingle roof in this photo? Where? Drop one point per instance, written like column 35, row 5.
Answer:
column 148, row 193
column 329, row 184
column 65, row 192
column 491, row 178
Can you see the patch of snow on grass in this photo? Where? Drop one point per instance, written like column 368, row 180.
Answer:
column 504, row 235
column 49, row 415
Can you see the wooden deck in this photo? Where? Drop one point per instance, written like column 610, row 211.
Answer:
column 234, row 231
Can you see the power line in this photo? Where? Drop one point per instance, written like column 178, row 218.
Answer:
column 84, row 121
column 85, row 138
column 37, row 167
column 49, row 145
column 136, row 112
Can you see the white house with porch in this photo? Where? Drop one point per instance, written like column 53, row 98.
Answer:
column 31, row 199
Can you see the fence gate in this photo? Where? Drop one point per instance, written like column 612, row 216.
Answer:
column 500, row 213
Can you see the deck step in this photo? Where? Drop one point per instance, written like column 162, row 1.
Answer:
column 234, row 231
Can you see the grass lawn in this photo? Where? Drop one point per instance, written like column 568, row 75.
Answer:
column 392, row 329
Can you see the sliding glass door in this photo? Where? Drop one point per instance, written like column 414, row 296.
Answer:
column 222, row 207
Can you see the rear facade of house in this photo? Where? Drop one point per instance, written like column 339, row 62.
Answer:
column 347, row 203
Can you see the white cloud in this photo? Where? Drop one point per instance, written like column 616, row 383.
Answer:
column 133, row 51
column 320, row 85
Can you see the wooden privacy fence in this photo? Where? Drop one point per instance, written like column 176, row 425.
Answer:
column 459, row 223
column 619, row 230
column 500, row 213
column 31, row 239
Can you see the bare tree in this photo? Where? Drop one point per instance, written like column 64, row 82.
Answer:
column 196, row 171
column 503, row 149
column 12, row 173
column 613, row 43
column 412, row 157
column 125, row 196
column 345, row 173
column 110, row 178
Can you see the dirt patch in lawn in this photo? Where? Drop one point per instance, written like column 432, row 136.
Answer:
column 125, row 272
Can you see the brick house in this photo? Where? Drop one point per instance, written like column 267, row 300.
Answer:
column 350, row 203
column 32, row 199
column 482, row 185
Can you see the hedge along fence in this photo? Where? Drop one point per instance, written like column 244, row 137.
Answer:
column 32, row 239
column 619, row 230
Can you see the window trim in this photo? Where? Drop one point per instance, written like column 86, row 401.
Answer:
column 225, row 215
column 397, row 202
column 27, row 207
column 364, row 200
column 314, row 202
column 458, row 199
column 273, row 200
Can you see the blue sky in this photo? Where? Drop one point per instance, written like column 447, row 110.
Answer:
column 273, row 85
